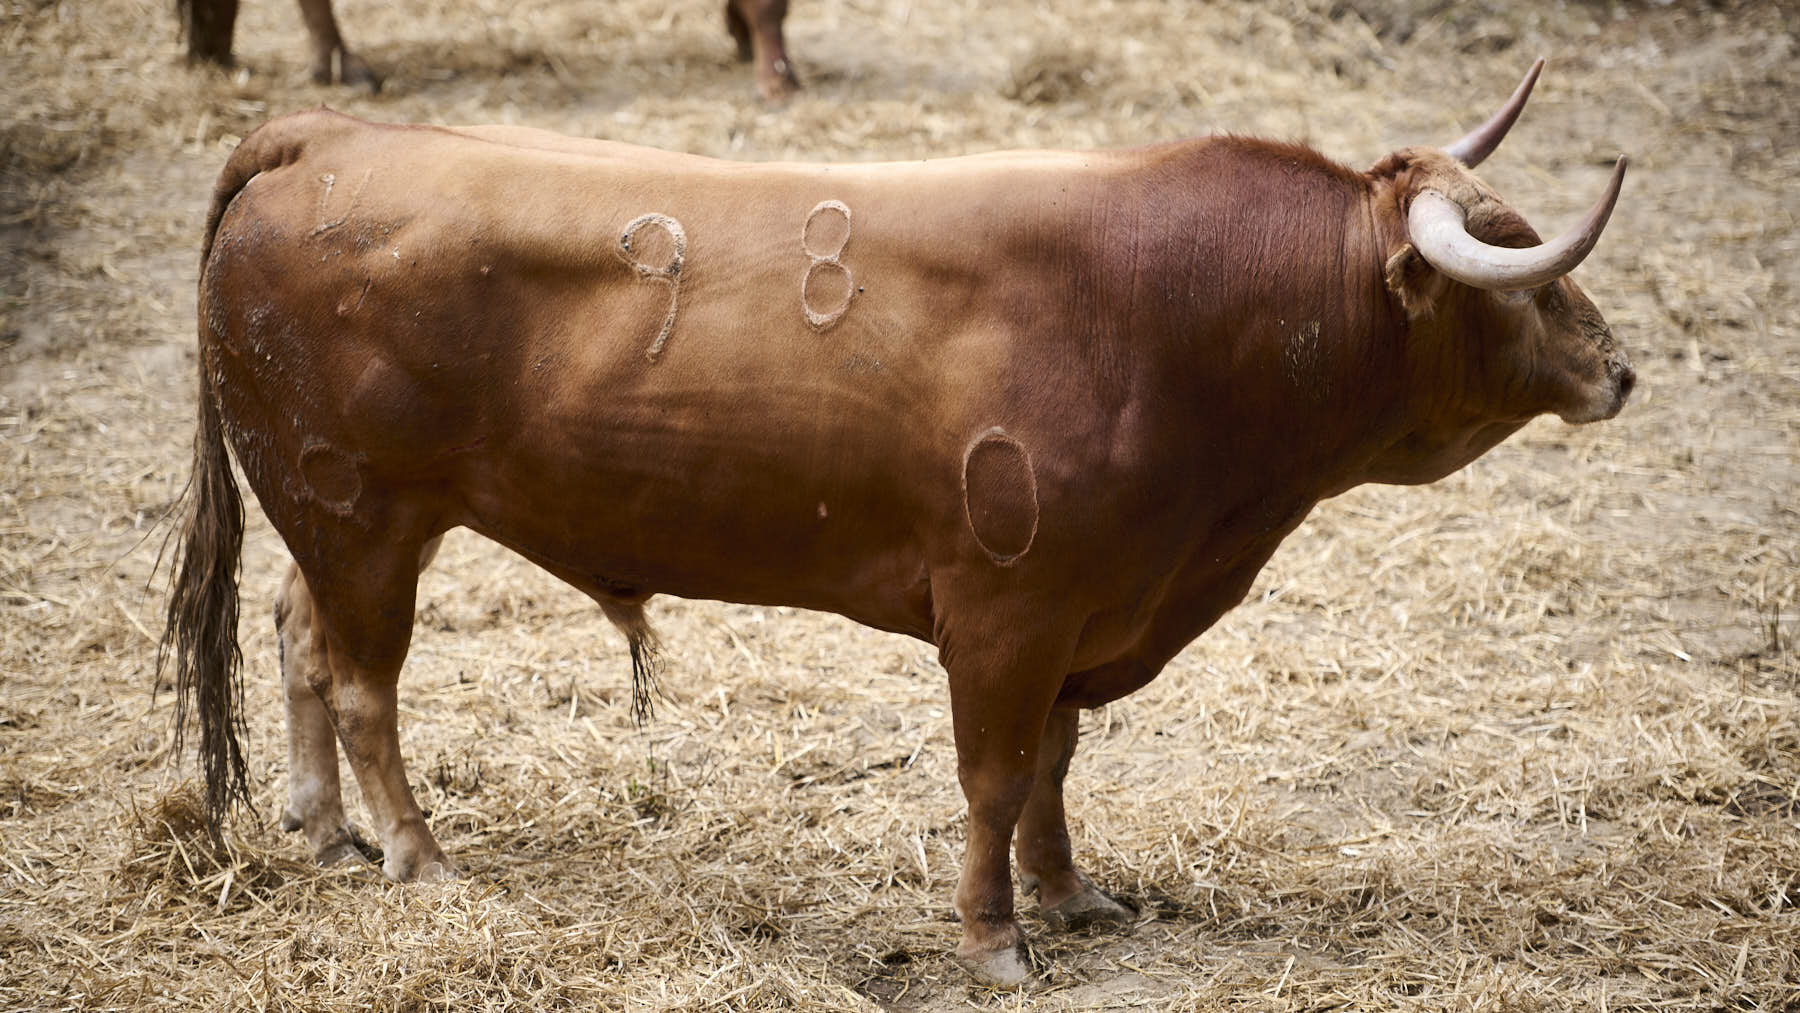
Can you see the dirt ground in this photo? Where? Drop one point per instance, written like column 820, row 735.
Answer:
column 1528, row 738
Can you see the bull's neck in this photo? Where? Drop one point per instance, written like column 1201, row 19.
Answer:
column 1293, row 350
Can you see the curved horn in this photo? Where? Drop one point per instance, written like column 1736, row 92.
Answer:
column 1479, row 143
column 1439, row 231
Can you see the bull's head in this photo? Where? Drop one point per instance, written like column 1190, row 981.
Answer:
column 1513, row 336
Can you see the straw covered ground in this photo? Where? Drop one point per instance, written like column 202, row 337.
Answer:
column 1525, row 739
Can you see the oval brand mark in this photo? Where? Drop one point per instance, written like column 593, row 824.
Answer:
column 1000, row 495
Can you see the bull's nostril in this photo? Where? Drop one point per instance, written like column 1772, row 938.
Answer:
column 1627, row 380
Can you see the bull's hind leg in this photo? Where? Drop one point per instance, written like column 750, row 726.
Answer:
column 1066, row 898
column 315, row 801
column 362, row 591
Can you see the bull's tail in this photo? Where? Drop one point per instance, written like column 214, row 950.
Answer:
column 201, row 637
column 200, row 640
column 207, row 25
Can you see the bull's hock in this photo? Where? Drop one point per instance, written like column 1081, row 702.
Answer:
column 1050, row 411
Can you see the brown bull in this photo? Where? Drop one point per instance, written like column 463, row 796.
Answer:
column 208, row 25
column 1049, row 411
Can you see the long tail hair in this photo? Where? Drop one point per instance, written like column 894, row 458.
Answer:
column 201, row 636
column 200, row 639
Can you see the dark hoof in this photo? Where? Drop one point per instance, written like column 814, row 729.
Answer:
column 347, row 69
column 339, row 853
column 358, row 74
column 1087, row 909
column 347, row 845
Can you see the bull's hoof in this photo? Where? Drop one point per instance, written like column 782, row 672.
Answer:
column 339, row 852
column 1008, row 967
column 434, row 868
column 777, row 83
column 1090, row 907
column 345, row 845
column 437, row 872
column 346, row 68
column 357, row 74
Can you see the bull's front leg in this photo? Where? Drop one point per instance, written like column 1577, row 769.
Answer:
column 332, row 60
column 1000, row 695
column 1066, row 897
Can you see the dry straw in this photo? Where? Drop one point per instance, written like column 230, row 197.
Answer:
column 1523, row 740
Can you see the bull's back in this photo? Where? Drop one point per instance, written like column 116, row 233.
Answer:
column 757, row 383
column 477, row 328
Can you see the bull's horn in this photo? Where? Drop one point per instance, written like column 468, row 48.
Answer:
column 1479, row 143
column 1439, row 231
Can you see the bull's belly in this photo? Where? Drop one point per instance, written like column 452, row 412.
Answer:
column 619, row 533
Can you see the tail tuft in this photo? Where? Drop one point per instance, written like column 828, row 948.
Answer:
column 646, row 663
column 646, row 654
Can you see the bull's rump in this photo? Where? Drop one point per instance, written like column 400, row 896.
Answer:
column 438, row 322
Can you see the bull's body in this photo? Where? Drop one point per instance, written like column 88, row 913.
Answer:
column 472, row 336
column 1048, row 411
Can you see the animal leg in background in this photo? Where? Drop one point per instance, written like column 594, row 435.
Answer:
column 756, row 25
column 332, row 61
column 315, row 802
column 208, row 25
column 1066, row 898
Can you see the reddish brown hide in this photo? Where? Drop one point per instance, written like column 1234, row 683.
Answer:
column 755, row 25
column 1049, row 411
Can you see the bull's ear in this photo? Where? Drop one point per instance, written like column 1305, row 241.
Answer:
column 1414, row 282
